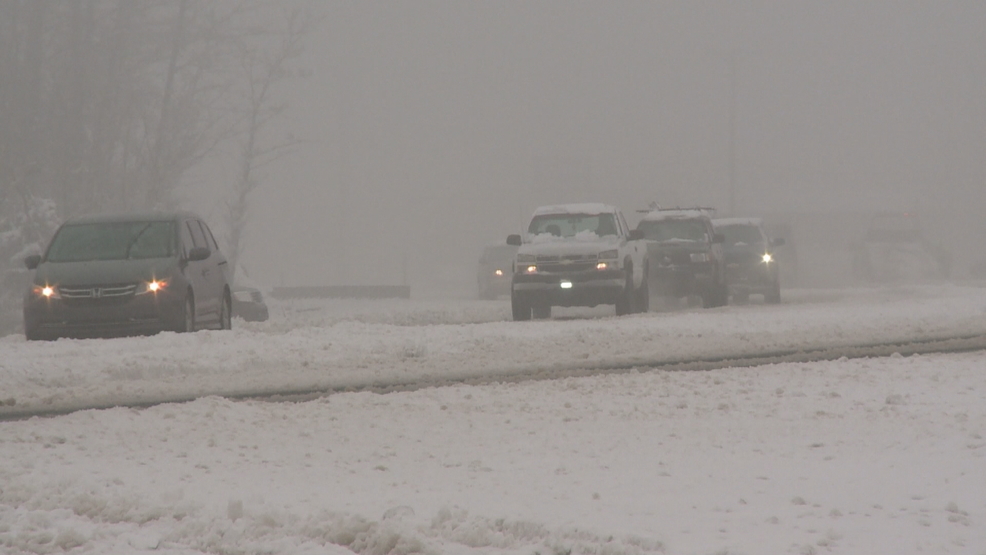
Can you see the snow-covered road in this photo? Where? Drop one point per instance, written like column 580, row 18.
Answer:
column 850, row 456
column 339, row 345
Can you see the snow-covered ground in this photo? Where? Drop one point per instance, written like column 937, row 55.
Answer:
column 851, row 456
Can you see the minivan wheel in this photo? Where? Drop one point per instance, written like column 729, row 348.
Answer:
column 187, row 323
column 225, row 314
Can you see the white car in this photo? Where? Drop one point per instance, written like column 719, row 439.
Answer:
column 578, row 255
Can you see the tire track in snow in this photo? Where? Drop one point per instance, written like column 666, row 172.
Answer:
column 912, row 347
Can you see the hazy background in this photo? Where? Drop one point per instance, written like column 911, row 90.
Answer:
column 434, row 128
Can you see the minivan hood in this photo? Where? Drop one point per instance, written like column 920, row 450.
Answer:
column 560, row 247
column 96, row 272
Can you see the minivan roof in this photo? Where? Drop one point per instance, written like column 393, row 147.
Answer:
column 159, row 216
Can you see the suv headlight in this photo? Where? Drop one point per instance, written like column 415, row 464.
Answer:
column 701, row 257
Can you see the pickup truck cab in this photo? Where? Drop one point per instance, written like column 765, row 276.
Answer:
column 578, row 255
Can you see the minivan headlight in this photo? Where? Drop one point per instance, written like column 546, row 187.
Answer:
column 153, row 286
column 46, row 292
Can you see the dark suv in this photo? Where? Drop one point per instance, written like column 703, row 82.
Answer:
column 685, row 254
column 751, row 264
column 128, row 274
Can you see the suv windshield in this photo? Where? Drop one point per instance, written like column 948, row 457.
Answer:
column 673, row 230
column 570, row 225
column 112, row 241
column 741, row 234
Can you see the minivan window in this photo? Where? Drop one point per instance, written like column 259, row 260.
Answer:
column 208, row 236
column 197, row 238
column 112, row 241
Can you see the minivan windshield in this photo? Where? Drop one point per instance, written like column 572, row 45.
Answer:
column 112, row 241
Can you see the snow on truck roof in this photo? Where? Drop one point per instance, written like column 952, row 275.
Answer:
column 656, row 215
column 719, row 222
column 589, row 208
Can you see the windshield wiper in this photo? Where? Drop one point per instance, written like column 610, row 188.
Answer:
column 133, row 241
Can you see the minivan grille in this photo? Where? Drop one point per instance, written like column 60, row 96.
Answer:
column 98, row 294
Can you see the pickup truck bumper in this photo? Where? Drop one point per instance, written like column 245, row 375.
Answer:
column 680, row 280
column 589, row 288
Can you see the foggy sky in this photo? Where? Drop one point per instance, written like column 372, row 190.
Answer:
column 437, row 127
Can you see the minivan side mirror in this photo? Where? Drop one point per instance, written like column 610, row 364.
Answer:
column 777, row 242
column 718, row 238
column 636, row 234
column 199, row 253
column 513, row 240
column 32, row 261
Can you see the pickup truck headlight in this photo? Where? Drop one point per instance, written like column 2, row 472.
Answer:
column 701, row 257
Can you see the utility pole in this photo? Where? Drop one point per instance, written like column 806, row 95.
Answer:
column 732, row 134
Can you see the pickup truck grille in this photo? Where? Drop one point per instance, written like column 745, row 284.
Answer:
column 567, row 267
column 542, row 258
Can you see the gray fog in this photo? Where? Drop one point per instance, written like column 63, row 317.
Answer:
column 430, row 129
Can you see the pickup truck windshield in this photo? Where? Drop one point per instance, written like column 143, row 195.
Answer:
column 673, row 230
column 570, row 225
column 112, row 241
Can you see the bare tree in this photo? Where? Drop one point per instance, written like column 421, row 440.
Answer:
column 265, row 59
column 108, row 104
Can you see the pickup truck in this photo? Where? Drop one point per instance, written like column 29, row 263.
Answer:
column 578, row 255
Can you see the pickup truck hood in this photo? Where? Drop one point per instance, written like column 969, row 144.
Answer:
column 562, row 247
column 667, row 247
